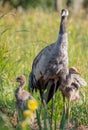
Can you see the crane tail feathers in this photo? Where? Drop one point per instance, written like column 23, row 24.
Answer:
column 32, row 83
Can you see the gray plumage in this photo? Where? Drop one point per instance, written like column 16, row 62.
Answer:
column 50, row 65
column 70, row 87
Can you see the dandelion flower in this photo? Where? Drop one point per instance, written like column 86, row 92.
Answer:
column 32, row 105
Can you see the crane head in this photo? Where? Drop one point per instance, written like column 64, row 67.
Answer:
column 64, row 12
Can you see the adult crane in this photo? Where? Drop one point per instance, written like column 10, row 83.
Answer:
column 50, row 66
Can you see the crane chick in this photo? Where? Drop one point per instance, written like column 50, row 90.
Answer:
column 70, row 87
column 22, row 96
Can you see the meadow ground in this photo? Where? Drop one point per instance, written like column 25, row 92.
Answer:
column 22, row 36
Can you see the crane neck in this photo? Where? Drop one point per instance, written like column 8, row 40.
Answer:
column 62, row 37
column 20, row 88
column 22, row 84
column 63, row 25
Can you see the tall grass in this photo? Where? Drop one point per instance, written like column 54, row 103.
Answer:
column 24, row 35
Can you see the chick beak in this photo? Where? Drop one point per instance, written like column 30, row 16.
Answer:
column 74, row 70
column 77, row 72
column 13, row 80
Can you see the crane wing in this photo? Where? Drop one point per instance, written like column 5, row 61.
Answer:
column 79, row 80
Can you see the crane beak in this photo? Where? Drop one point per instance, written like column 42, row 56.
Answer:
column 65, row 13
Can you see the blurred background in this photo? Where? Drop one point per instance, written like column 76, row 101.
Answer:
column 76, row 5
column 26, row 27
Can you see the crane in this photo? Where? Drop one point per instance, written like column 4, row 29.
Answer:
column 50, row 66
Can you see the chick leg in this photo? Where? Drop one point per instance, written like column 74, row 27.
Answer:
column 68, row 111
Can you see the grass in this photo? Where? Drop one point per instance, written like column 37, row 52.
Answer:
column 23, row 36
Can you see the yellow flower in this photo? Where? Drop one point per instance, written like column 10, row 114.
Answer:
column 32, row 105
column 28, row 113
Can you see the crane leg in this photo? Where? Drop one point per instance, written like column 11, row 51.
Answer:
column 68, row 112
column 53, row 99
column 42, row 97
column 64, row 103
